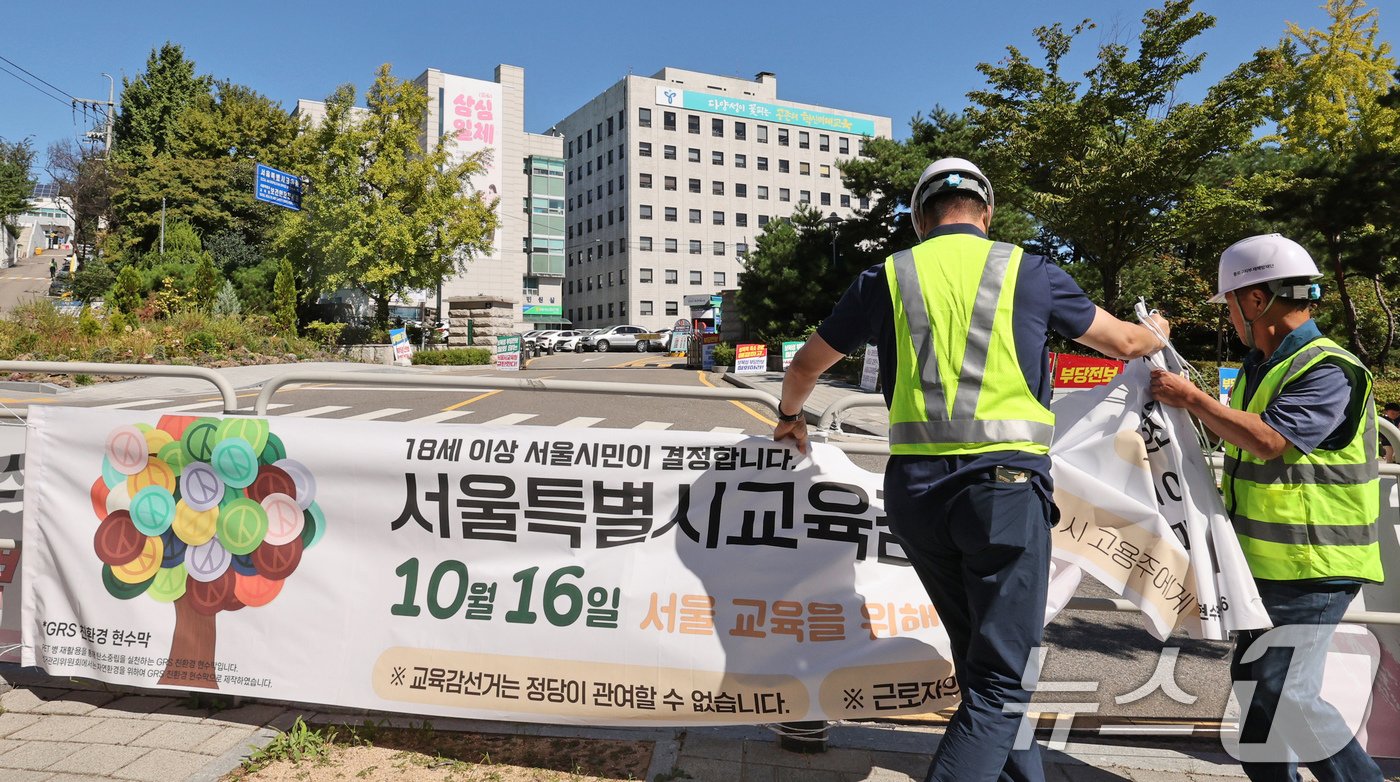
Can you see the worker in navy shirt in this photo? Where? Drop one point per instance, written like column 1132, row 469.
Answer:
column 1302, row 489
column 961, row 323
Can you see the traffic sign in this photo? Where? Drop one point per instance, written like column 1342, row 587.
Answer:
column 277, row 187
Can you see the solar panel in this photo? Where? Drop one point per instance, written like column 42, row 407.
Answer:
column 45, row 190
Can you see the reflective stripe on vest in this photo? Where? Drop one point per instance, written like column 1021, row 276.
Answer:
column 947, row 428
column 1308, row 516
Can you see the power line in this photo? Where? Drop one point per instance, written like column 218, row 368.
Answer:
column 41, row 90
column 62, row 92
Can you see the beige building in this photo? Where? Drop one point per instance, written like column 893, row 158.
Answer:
column 526, row 269
column 670, row 178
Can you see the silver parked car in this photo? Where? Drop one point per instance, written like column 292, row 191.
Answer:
column 619, row 338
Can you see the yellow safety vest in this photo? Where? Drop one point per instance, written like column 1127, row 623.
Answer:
column 1308, row 516
column 959, row 388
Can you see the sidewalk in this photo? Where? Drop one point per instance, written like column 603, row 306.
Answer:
column 65, row 730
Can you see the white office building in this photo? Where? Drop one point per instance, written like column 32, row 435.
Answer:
column 670, row 179
column 525, row 271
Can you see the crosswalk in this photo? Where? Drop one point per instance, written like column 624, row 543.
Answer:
column 402, row 415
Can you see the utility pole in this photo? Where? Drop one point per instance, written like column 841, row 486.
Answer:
column 111, row 107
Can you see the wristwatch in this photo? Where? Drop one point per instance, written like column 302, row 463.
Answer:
column 789, row 419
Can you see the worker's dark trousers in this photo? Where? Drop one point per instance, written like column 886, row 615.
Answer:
column 983, row 554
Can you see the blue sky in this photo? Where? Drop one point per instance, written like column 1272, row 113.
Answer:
column 897, row 61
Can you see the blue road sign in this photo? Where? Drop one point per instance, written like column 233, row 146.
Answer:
column 277, row 187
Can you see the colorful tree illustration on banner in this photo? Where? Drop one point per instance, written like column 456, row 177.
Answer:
column 208, row 514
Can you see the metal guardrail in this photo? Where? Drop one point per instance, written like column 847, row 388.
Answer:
column 225, row 388
column 568, row 386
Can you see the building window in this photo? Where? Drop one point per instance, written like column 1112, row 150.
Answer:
column 719, row 248
column 741, row 161
column 668, row 120
column 670, row 245
column 804, row 140
column 717, row 127
column 697, row 277
column 692, row 123
column 610, row 309
column 673, row 277
column 763, row 220
column 644, row 275
column 844, row 145
column 670, row 214
column 741, row 131
column 825, row 171
column 645, row 308
column 717, row 158
column 610, row 274
column 717, row 187
column 719, row 280
column 694, row 215
column 670, row 183
column 784, row 194
column 669, row 152
column 610, row 156
column 763, row 164
column 804, row 197
column 762, row 133
column 824, row 142
column 741, row 249
column 694, row 185
column 644, row 243
column 763, row 192
column 846, row 200
column 610, row 127
column 644, row 212
column 694, row 246
column 782, row 137
column 693, row 155
column 644, row 180
column 864, row 203
column 590, row 312
column 784, row 167
column 672, row 309
column 741, row 189
column 826, row 199
column 590, row 139
column 804, row 168
column 644, row 149
column 571, row 287
column 718, row 218
column 741, row 219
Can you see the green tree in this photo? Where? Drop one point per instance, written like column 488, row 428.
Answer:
column 383, row 214
column 16, row 180
column 93, row 279
column 1337, row 116
column 128, row 293
column 284, row 294
column 152, row 104
column 789, row 283
column 1101, row 166
column 206, row 282
column 227, row 303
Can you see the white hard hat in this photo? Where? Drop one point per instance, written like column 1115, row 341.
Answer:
column 1263, row 258
column 951, row 173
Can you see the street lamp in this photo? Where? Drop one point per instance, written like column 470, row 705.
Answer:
column 832, row 221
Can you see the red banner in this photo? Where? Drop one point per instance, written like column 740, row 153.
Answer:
column 1071, row 371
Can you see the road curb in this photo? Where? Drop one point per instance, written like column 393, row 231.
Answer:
column 32, row 387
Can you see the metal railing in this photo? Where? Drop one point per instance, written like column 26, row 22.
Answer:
column 225, row 388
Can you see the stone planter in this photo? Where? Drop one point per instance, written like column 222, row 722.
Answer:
column 719, row 369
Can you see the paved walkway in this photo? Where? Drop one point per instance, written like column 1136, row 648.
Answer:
column 65, row 730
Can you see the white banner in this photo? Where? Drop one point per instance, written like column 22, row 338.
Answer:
column 517, row 573
column 471, row 117
column 1140, row 512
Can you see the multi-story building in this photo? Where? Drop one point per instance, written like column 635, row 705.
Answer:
column 670, row 178
column 525, row 170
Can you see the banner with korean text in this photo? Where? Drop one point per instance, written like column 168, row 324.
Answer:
column 470, row 117
column 521, row 573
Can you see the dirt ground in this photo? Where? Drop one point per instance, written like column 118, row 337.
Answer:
column 428, row 756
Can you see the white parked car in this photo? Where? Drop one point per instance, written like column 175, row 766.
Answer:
column 555, row 341
column 571, row 343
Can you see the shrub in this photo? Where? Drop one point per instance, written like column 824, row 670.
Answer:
column 724, row 355
column 454, row 357
column 323, row 333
